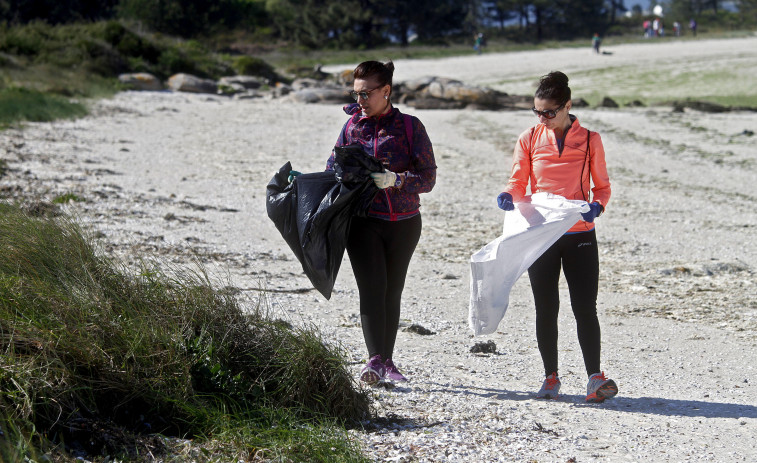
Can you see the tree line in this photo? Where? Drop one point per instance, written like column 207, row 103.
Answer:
column 371, row 23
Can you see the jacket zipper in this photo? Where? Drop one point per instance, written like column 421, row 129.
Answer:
column 392, row 215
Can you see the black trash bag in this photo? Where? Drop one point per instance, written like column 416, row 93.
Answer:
column 313, row 212
column 353, row 168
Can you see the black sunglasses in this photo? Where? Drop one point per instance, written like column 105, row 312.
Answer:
column 364, row 95
column 549, row 114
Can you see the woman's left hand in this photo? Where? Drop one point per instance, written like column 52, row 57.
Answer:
column 384, row 179
column 595, row 209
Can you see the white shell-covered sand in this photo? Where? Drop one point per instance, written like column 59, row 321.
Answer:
column 183, row 176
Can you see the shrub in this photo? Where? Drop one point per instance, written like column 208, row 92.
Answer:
column 251, row 66
column 109, row 48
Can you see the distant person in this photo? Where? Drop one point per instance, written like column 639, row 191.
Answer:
column 677, row 28
column 381, row 245
column 560, row 156
column 656, row 27
column 693, row 26
column 478, row 43
column 647, row 28
column 596, row 41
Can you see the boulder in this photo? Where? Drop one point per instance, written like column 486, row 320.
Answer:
column 281, row 89
column 608, row 102
column 225, row 88
column 140, row 81
column 432, row 103
column 192, row 84
column 467, row 93
column 578, row 103
column 707, row 107
column 319, row 95
column 303, row 96
column 247, row 95
column 513, row 102
column 248, row 82
column 422, row 91
column 434, row 89
column 417, row 85
column 344, row 78
column 305, row 82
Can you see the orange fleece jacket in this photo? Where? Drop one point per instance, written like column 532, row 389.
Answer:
column 570, row 174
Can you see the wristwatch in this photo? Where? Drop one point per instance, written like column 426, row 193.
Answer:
column 398, row 180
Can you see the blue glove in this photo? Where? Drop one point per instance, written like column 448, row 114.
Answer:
column 292, row 175
column 595, row 209
column 505, row 201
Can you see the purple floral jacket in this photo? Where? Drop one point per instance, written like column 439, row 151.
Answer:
column 385, row 138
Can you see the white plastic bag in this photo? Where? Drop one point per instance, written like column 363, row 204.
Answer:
column 535, row 224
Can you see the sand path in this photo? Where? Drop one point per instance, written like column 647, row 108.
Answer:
column 178, row 176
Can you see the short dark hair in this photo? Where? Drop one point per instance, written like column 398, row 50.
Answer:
column 381, row 72
column 554, row 86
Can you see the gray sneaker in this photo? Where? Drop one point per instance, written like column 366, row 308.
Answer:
column 549, row 388
column 373, row 371
column 600, row 388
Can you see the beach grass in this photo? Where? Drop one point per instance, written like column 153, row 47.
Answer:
column 22, row 104
column 667, row 82
column 109, row 361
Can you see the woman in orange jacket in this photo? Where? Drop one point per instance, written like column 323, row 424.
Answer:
column 559, row 156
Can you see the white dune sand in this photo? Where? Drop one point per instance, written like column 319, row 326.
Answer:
column 177, row 176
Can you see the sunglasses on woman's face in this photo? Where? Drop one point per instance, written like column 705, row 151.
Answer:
column 550, row 113
column 364, row 95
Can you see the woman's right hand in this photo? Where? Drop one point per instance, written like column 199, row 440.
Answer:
column 505, row 201
column 292, row 175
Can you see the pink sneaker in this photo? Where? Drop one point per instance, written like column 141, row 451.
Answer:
column 393, row 373
column 373, row 371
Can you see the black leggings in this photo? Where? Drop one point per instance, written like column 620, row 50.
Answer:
column 578, row 255
column 380, row 253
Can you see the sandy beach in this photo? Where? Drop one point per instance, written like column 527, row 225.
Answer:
column 182, row 177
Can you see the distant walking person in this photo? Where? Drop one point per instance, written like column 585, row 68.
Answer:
column 596, row 41
column 478, row 43
column 381, row 245
column 560, row 156
column 693, row 26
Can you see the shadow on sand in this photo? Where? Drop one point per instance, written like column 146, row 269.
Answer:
column 645, row 405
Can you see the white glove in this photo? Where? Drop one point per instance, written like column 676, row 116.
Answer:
column 384, row 179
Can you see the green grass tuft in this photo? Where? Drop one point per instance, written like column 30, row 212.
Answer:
column 67, row 198
column 30, row 105
column 86, row 342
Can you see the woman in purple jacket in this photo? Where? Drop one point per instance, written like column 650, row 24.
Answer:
column 380, row 245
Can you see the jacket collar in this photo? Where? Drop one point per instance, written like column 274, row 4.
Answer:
column 354, row 108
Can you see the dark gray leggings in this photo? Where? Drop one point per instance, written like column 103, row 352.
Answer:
column 577, row 254
column 380, row 253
